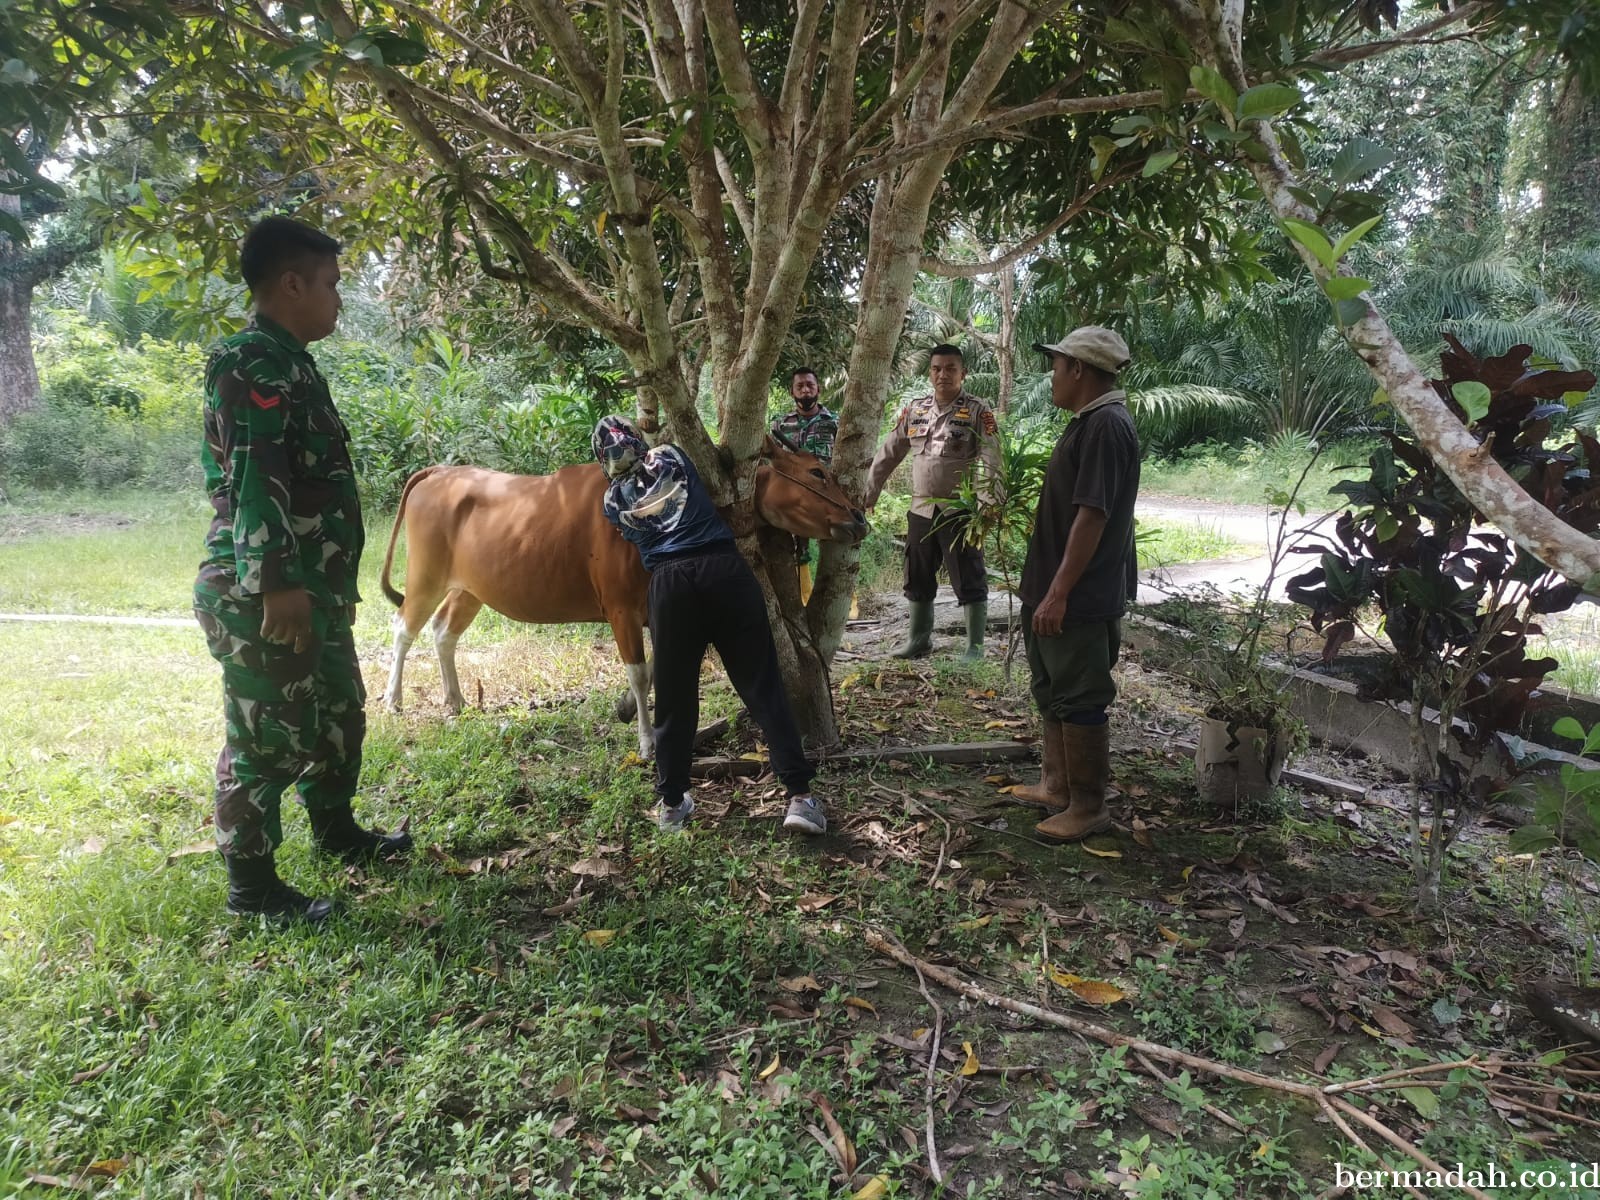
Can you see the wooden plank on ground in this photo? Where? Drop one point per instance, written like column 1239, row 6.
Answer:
column 1337, row 788
column 947, row 752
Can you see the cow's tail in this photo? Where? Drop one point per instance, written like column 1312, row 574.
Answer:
column 397, row 598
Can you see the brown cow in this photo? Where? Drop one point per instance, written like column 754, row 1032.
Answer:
column 538, row 548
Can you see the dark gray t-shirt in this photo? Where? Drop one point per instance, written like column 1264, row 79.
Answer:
column 1095, row 463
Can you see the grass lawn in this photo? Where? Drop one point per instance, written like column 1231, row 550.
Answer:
column 1252, row 474
column 554, row 999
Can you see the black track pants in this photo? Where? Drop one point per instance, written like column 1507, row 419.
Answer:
column 713, row 599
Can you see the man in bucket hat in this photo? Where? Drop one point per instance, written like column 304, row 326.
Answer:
column 1078, row 578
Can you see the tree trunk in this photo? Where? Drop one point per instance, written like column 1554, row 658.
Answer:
column 19, row 379
column 805, row 672
column 1008, row 338
column 1570, row 217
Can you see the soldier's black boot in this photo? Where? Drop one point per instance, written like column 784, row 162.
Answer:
column 335, row 831
column 254, row 889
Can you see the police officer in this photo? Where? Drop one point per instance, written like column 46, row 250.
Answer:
column 276, row 592
column 946, row 432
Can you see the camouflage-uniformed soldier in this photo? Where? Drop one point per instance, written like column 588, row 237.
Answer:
column 945, row 433
column 276, row 594
column 808, row 426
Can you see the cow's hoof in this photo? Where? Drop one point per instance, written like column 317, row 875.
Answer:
column 627, row 707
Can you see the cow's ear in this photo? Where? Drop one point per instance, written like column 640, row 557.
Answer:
column 769, row 447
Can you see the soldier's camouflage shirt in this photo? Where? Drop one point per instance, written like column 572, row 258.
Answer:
column 279, row 474
column 814, row 434
column 943, row 443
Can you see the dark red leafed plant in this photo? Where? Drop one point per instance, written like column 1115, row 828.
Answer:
column 1453, row 599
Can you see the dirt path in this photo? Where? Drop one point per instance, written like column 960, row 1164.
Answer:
column 1253, row 525
column 98, row 619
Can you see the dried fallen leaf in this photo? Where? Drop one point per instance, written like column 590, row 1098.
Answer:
column 595, row 867
column 979, row 923
column 874, row 1189
column 1325, row 1059
column 1090, row 991
column 844, row 1150
column 857, row 1002
column 1392, row 1022
column 812, row 901
column 972, row 1065
column 772, row 1067
column 564, row 1126
column 1178, row 939
column 92, row 1072
column 1098, row 852
column 204, row 847
column 600, row 938
column 801, row 983
column 106, row 1168
column 1283, row 914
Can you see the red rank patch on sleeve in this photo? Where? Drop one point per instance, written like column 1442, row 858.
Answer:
column 261, row 401
column 989, row 425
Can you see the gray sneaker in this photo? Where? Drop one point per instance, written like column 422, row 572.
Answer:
column 672, row 819
column 805, row 816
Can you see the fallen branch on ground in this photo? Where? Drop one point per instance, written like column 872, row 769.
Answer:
column 1341, row 1112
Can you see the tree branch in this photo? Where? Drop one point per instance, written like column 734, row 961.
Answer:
column 954, row 270
column 908, row 80
column 499, row 62
column 735, row 194
column 1421, row 35
column 996, row 122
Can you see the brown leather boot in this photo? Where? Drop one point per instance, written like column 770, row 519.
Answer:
column 1088, row 760
column 1051, row 790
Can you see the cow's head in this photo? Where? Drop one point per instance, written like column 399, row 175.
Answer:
column 797, row 493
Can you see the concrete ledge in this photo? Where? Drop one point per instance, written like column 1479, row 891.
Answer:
column 1331, row 709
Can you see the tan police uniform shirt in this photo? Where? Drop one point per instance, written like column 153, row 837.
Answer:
column 943, row 443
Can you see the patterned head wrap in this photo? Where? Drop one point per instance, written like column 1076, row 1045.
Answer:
column 618, row 446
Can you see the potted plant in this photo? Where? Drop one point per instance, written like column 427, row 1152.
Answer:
column 1247, row 730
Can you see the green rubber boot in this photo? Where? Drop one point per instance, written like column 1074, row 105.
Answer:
column 977, row 623
column 920, row 644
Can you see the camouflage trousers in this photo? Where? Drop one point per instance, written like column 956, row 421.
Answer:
column 292, row 720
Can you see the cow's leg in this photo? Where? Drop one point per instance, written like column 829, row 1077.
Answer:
column 449, row 623
column 403, row 637
column 628, row 629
